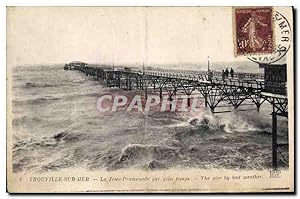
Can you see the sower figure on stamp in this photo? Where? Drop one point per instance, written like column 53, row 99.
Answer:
column 255, row 42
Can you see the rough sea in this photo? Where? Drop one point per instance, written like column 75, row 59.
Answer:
column 56, row 125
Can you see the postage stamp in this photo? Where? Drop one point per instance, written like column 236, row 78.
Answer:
column 253, row 30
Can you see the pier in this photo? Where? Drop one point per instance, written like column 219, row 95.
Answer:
column 242, row 89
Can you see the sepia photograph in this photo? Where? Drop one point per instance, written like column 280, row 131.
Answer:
column 150, row 99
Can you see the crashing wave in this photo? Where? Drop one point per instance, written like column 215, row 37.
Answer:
column 230, row 123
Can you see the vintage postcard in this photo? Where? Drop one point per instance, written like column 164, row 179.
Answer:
column 150, row 99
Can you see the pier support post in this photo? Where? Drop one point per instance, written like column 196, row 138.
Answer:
column 141, row 85
column 235, row 106
column 212, row 109
column 205, row 99
column 129, row 84
column 119, row 81
column 170, row 99
column 188, row 101
column 146, row 93
column 274, row 140
column 137, row 83
column 160, row 93
column 258, row 107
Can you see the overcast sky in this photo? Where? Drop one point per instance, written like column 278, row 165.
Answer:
column 120, row 35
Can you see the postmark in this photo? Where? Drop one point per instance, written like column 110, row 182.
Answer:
column 253, row 28
column 283, row 38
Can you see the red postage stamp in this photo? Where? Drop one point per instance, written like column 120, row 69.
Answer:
column 253, row 30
